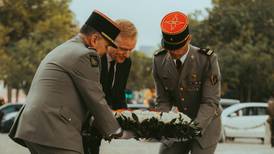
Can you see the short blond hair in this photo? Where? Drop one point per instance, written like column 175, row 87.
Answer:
column 127, row 28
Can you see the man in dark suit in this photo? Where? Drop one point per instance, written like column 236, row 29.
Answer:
column 65, row 89
column 116, row 65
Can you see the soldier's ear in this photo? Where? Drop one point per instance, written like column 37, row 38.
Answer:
column 189, row 38
column 93, row 40
column 95, row 37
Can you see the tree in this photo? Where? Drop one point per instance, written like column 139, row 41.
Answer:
column 242, row 34
column 3, row 55
column 31, row 28
column 140, row 76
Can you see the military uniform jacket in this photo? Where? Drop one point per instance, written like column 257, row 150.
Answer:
column 65, row 88
column 195, row 91
column 115, row 95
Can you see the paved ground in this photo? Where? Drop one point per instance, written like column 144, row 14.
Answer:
column 239, row 146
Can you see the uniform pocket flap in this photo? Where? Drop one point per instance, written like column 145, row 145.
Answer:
column 65, row 114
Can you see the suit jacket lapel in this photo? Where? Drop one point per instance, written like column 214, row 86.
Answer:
column 118, row 75
column 171, row 65
column 170, row 73
column 187, row 65
column 104, row 70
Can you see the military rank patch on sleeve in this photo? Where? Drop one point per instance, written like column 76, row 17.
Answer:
column 214, row 79
column 94, row 61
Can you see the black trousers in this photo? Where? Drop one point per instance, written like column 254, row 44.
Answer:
column 91, row 137
column 92, row 145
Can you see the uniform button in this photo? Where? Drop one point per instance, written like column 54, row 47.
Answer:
column 182, row 99
column 166, row 88
column 69, row 119
column 181, row 88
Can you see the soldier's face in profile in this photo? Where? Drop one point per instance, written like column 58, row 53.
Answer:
column 178, row 53
column 124, row 49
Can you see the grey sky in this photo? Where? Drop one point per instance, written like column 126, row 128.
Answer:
column 145, row 14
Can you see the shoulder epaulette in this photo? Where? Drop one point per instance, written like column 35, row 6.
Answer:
column 206, row 51
column 160, row 51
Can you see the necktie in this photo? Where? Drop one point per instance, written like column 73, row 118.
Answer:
column 111, row 72
column 179, row 65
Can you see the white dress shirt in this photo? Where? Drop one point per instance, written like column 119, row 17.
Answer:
column 183, row 58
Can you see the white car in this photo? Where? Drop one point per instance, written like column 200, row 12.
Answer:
column 244, row 120
column 228, row 102
column 7, row 121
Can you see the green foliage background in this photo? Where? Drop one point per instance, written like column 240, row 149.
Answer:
column 241, row 32
column 29, row 29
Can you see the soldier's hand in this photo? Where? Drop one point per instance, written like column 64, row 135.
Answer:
column 127, row 135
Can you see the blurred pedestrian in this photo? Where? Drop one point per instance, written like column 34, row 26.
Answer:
column 2, row 101
column 270, row 120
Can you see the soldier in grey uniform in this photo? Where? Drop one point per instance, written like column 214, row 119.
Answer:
column 65, row 89
column 187, row 78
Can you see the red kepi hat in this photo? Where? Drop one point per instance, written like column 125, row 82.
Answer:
column 175, row 30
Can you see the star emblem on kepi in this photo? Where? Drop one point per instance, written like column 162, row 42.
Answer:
column 174, row 22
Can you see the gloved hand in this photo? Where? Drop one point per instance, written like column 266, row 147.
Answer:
column 127, row 135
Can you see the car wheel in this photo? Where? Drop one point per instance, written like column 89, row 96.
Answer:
column 262, row 139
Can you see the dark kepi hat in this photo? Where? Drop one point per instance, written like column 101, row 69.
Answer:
column 175, row 30
column 104, row 25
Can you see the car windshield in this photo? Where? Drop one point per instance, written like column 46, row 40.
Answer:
column 10, row 116
column 250, row 111
column 228, row 102
column 10, row 108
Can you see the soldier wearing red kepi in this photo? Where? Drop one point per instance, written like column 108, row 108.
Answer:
column 188, row 78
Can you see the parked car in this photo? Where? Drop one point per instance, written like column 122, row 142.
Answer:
column 7, row 122
column 6, row 119
column 244, row 120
